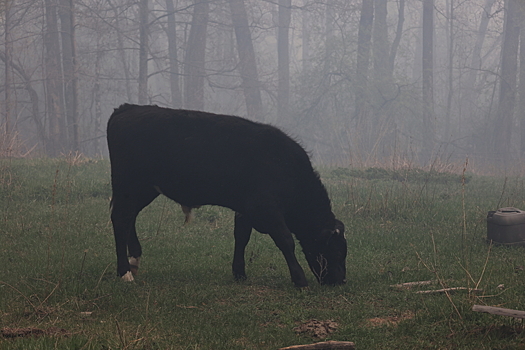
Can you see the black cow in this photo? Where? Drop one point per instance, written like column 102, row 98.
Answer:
column 197, row 158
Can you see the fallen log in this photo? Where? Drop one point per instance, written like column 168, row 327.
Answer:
column 411, row 284
column 447, row 290
column 499, row 311
column 326, row 345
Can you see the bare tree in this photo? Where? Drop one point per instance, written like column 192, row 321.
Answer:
column 8, row 80
column 247, row 62
column 450, row 77
column 428, row 79
column 364, row 38
column 507, row 94
column 121, row 52
column 380, row 49
column 194, row 60
column 34, row 100
column 53, row 81
column 143, row 51
column 283, row 57
column 69, row 63
column 475, row 63
column 305, row 38
column 521, row 86
column 171, row 32
column 397, row 39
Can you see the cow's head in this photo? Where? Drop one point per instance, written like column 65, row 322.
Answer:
column 327, row 257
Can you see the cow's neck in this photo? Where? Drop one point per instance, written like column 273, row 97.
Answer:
column 312, row 212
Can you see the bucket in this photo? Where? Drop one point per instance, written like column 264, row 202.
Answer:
column 506, row 226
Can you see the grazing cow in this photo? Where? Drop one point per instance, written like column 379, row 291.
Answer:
column 197, row 158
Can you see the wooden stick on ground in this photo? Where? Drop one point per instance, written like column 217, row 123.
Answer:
column 499, row 311
column 411, row 284
column 327, row 345
column 444, row 290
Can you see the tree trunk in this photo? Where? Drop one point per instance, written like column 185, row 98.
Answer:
column 143, row 52
column 97, row 97
column 508, row 73
column 382, row 126
column 194, row 60
column 122, row 53
column 247, row 62
column 397, row 38
column 8, row 80
column 380, row 47
column 306, row 39
column 468, row 97
column 428, row 81
column 283, row 57
column 33, row 97
column 69, row 63
column 521, row 87
column 53, row 78
column 171, row 32
column 362, row 103
column 450, row 78
column 364, row 38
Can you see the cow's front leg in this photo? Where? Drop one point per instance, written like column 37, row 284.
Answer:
column 242, row 233
column 123, row 220
column 284, row 241
column 266, row 220
column 124, row 211
column 134, row 250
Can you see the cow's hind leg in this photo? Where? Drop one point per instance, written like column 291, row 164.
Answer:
column 242, row 233
column 134, row 249
column 124, row 211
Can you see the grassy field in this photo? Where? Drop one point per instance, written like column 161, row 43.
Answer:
column 57, row 267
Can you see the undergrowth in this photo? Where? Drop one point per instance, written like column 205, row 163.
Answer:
column 58, row 263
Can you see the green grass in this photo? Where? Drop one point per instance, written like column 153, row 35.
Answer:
column 58, row 267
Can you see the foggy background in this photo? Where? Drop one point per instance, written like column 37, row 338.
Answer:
column 357, row 82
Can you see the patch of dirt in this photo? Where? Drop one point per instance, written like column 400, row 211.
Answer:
column 316, row 328
column 389, row 320
column 8, row 332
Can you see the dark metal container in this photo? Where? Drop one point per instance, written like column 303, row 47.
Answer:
column 506, row 226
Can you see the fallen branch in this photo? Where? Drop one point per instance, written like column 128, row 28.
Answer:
column 327, row 345
column 412, row 284
column 499, row 311
column 448, row 290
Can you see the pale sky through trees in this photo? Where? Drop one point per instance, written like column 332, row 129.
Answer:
column 358, row 82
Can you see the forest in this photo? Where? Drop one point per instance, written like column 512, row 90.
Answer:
column 357, row 82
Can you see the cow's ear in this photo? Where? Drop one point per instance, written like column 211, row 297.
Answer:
column 340, row 233
column 339, row 229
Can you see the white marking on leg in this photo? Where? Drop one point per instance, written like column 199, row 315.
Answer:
column 134, row 261
column 189, row 215
column 134, row 264
column 128, row 277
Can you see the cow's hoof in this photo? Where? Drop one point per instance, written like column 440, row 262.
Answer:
column 128, row 277
column 301, row 285
column 239, row 277
column 134, row 264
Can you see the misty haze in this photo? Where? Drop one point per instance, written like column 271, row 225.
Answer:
column 313, row 171
column 359, row 83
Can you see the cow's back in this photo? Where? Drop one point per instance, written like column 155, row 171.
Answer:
column 199, row 158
